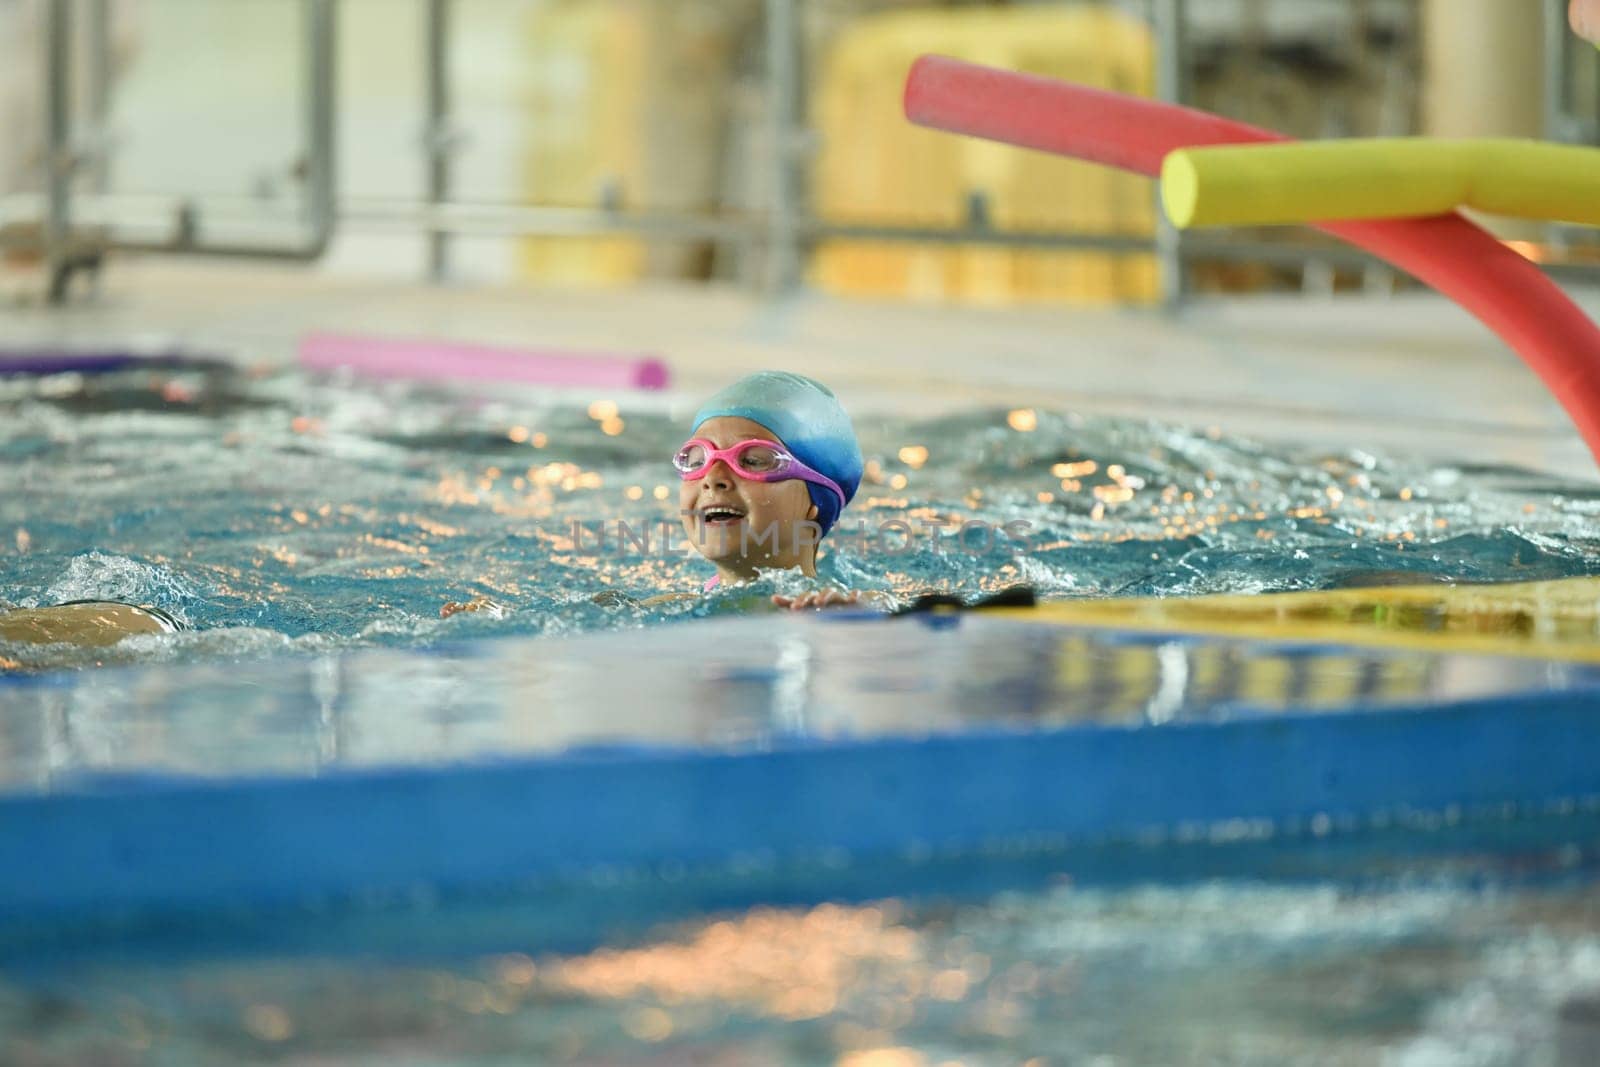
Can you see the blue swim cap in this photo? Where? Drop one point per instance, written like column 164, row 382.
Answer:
column 809, row 422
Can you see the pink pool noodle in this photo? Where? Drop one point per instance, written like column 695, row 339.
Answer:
column 441, row 361
column 1505, row 291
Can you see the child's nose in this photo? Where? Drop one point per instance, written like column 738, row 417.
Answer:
column 719, row 476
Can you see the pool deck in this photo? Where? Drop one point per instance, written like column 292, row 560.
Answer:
column 1411, row 373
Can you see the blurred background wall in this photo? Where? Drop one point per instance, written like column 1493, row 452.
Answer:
column 603, row 142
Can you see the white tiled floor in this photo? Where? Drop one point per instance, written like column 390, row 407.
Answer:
column 1411, row 373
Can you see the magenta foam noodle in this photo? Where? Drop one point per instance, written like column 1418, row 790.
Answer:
column 447, row 361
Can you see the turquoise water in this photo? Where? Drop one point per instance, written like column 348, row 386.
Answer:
column 1233, row 973
column 279, row 512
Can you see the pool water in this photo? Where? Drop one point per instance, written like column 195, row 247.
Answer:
column 272, row 511
column 284, row 515
column 1225, row 972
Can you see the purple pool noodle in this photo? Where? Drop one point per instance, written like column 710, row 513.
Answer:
column 60, row 361
column 42, row 361
column 448, row 361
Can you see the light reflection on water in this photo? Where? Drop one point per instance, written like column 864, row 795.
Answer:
column 287, row 509
column 721, row 684
column 1216, row 973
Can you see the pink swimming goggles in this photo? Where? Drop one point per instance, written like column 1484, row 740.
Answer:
column 757, row 460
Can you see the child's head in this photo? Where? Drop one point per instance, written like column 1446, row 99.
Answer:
column 746, row 505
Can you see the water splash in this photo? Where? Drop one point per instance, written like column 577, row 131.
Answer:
column 304, row 506
column 101, row 576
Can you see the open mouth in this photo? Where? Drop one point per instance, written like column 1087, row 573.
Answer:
column 721, row 516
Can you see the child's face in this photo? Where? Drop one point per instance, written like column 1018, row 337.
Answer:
column 767, row 531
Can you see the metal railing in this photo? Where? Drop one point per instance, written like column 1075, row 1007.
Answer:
column 783, row 231
column 1561, row 122
column 63, row 160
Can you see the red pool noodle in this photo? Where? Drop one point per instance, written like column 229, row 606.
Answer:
column 1506, row 292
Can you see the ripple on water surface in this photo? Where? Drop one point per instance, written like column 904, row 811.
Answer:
column 269, row 510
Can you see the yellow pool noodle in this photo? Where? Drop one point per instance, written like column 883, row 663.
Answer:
column 1557, row 619
column 1325, row 181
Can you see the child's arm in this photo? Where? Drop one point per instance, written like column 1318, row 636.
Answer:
column 614, row 598
column 98, row 624
column 668, row 598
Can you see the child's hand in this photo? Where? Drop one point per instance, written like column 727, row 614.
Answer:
column 817, row 598
column 828, row 598
column 477, row 603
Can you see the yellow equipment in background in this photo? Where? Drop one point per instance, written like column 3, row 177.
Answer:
column 874, row 168
column 635, row 103
column 585, row 98
column 627, row 105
